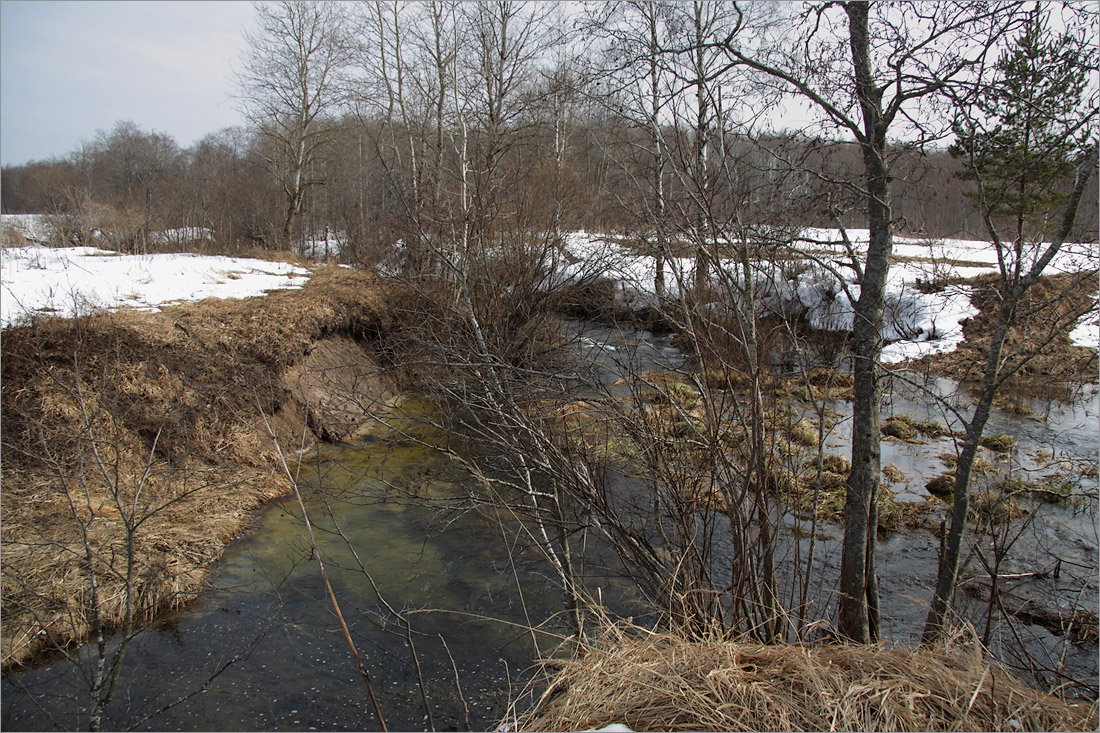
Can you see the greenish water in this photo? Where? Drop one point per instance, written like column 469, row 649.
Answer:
column 468, row 592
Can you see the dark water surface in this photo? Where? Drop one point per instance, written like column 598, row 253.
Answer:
column 269, row 606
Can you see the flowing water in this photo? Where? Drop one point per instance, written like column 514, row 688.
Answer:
column 468, row 596
column 263, row 649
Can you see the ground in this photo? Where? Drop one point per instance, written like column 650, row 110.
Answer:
column 1058, row 360
column 116, row 418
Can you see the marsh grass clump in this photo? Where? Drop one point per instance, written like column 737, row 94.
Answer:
column 1057, row 489
column 892, row 514
column 663, row 681
column 893, row 474
column 902, row 427
column 999, row 443
column 942, row 486
column 980, row 467
column 682, row 394
column 804, row 432
column 1012, row 402
column 835, row 463
column 931, row 428
column 994, row 506
column 908, row 428
column 834, row 482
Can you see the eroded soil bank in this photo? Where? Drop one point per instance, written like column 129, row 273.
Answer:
column 135, row 445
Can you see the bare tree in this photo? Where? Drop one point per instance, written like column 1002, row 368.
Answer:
column 878, row 73
column 289, row 81
column 630, row 79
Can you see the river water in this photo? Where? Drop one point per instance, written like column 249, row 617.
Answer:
column 263, row 649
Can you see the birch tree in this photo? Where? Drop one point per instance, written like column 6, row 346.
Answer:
column 632, row 78
column 289, row 81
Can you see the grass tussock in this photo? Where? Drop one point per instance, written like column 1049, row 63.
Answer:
column 999, row 443
column 148, row 426
column 659, row 682
column 907, row 428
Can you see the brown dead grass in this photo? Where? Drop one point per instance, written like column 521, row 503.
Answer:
column 1058, row 361
column 132, row 414
column 660, row 682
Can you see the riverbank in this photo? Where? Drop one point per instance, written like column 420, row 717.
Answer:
column 642, row 680
column 157, row 420
column 136, row 444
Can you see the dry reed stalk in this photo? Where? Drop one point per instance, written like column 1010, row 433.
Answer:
column 662, row 682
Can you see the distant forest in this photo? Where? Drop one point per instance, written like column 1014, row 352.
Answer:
column 408, row 122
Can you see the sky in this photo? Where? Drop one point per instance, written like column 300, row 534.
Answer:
column 68, row 69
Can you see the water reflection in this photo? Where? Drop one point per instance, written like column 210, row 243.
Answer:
column 269, row 614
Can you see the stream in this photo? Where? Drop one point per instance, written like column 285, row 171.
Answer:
column 263, row 649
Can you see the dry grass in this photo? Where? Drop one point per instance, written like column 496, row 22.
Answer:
column 892, row 514
column 836, row 463
column 999, row 443
column 994, row 506
column 893, row 474
column 1057, row 361
column 659, row 682
column 113, row 417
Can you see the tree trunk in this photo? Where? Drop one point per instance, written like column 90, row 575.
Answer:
column 1013, row 292
column 859, row 606
column 293, row 190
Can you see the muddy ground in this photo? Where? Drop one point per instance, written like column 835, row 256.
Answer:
column 1039, row 331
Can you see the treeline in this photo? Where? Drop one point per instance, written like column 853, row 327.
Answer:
column 429, row 122
column 134, row 182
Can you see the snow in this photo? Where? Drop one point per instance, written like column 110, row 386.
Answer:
column 32, row 227
column 1087, row 331
column 68, row 281
column 75, row 280
column 323, row 245
column 916, row 322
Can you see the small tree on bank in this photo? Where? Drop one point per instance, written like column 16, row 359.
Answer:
column 1029, row 145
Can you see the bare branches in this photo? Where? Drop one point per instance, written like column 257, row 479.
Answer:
column 290, row 81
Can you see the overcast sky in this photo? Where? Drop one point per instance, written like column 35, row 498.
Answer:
column 68, row 69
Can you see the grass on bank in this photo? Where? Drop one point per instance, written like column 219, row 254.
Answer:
column 661, row 682
column 151, row 420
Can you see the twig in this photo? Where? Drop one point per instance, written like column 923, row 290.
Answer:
column 316, row 555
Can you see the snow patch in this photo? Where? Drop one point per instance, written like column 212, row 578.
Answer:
column 74, row 280
column 923, row 314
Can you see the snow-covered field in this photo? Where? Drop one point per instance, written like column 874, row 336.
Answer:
column 917, row 323
column 76, row 280
column 40, row 280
